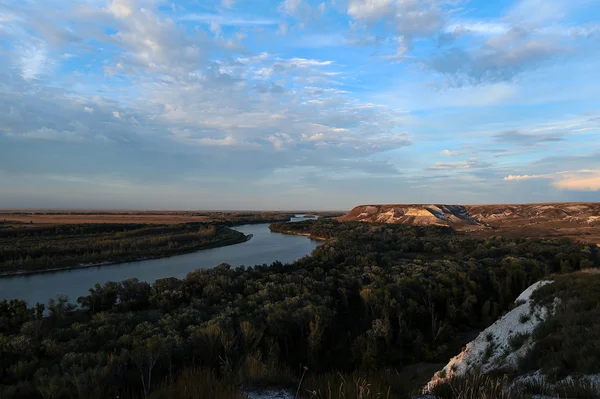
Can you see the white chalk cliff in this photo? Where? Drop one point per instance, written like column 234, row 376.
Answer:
column 492, row 349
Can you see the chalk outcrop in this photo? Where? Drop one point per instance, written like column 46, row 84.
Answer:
column 499, row 346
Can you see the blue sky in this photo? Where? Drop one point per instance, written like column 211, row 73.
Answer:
column 251, row 104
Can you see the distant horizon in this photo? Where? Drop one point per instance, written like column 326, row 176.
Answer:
column 291, row 210
column 287, row 104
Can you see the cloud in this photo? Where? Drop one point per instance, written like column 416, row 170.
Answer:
column 299, row 9
column 121, row 8
column 581, row 180
column 449, row 153
column 152, row 96
column 227, row 3
column 33, row 61
column 499, row 58
column 584, row 180
column 406, row 19
column 228, row 20
column 528, row 140
column 370, row 10
column 470, row 164
column 47, row 134
column 473, row 51
column 524, row 177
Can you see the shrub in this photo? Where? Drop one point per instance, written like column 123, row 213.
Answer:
column 516, row 341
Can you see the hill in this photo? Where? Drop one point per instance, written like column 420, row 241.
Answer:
column 579, row 221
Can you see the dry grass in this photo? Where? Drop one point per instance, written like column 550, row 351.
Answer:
column 357, row 385
column 199, row 384
column 471, row 387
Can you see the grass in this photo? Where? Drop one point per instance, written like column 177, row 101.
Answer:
column 357, row 385
column 202, row 383
column 471, row 387
column 197, row 383
column 493, row 387
column 580, row 389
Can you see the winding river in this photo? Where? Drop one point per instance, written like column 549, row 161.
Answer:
column 264, row 247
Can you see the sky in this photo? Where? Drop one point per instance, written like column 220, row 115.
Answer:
column 297, row 104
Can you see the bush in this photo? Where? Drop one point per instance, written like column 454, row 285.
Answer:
column 516, row 341
column 566, row 342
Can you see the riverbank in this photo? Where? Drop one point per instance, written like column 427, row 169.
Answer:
column 297, row 229
column 296, row 233
column 44, row 249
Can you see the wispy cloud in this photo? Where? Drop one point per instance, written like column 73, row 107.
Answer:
column 448, row 153
column 228, row 20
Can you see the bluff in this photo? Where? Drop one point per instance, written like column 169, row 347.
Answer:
column 579, row 221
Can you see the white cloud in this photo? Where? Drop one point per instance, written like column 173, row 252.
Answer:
column 524, row 177
column 581, row 180
column 370, row 10
column 408, row 18
column 121, row 8
column 33, row 61
column 449, row 153
column 116, row 114
column 88, row 109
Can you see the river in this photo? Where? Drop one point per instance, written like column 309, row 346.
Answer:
column 264, row 247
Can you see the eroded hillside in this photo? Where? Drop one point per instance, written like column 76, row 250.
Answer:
column 580, row 221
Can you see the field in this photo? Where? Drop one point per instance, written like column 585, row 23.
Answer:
column 151, row 217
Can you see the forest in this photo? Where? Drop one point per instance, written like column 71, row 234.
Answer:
column 25, row 248
column 370, row 300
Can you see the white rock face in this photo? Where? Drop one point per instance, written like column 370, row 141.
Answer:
column 491, row 350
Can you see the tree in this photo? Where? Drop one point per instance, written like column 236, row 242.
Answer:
column 144, row 356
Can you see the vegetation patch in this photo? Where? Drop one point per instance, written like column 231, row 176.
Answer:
column 38, row 248
column 567, row 341
column 516, row 341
